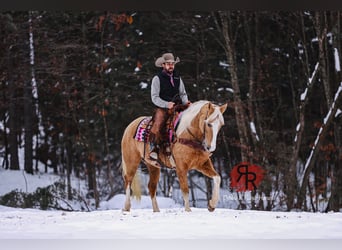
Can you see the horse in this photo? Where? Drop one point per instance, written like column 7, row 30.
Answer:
column 194, row 143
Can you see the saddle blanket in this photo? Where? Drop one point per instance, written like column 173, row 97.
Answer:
column 143, row 129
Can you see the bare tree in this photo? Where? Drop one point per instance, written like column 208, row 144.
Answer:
column 224, row 26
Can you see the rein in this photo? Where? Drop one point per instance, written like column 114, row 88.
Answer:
column 191, row 143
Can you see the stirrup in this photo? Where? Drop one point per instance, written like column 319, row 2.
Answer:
column 153, row 155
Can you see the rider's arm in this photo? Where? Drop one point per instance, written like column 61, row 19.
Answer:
column 182, row 93
column 155, row 90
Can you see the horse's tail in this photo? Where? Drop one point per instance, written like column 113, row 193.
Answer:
column 136, row 184
column 136, row 187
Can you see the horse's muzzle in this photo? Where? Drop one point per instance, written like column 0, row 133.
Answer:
column 208, row 148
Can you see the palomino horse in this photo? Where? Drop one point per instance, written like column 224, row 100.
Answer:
column 195, row 140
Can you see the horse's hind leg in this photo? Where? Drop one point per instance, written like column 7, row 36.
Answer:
column 152, row 186
column 127, row 206
column 130, row 166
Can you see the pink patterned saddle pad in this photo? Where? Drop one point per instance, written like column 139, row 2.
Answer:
column 143, row 129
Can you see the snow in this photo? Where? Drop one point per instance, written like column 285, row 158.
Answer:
column 252, row 126
column 230, row 90
column 297, row 130
column 18, row 180
column 337, row 60
column 172, row 222
column 338, row 112
column 226, row 89
column 31, row 44
column 303, row 95
column 313, row 74
column 328, row 35
column 143, row 85
column 223, row 64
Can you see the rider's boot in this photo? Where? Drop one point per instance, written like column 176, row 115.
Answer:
column 153, row 147
column 153, row 152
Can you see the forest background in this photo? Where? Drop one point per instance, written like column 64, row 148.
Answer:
column 72, row 81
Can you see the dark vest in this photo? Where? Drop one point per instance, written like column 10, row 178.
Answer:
column 167, row 91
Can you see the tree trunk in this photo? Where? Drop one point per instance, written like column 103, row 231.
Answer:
column 28, row 107
column 291, row 183
column 314, row 152
column 5, row 163
column 229, row 48
column 291, row 178
column 12, row 124
column 251, row 80
column 335, row 201
column 109, row 160
column 321, row 31
column 28, row 113
column 69, row 167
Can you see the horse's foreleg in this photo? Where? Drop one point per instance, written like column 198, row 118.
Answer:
column 215, row 195
column 208, row 170
column 186, row 201
column 152, row 186
column 183, row 182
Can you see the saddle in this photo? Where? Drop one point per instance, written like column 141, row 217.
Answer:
column 168, row 132
column 143, row 130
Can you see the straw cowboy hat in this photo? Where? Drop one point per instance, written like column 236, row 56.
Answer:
column 167, row 57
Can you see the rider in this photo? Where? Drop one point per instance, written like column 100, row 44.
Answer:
column 166, row 87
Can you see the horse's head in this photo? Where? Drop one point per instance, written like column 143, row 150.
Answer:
column 201, row 123
column 210, row 123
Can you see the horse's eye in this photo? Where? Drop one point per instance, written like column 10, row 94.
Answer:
column 210, row 125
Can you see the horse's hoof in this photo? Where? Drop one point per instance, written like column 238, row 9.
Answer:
column 210, row 208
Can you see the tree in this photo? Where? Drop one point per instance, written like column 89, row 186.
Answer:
column 93, row 69
column 224, row 23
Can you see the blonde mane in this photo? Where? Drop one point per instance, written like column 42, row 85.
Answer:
column 188, row 115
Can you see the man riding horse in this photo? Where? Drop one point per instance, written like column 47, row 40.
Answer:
column 167, row 90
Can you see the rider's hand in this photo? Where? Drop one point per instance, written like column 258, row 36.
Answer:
column 170, row 105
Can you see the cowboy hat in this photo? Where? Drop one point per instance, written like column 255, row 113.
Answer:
column 167, row 57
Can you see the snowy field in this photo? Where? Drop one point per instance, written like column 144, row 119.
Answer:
column 172, row 223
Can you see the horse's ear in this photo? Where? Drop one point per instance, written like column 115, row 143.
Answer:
column 223, row 108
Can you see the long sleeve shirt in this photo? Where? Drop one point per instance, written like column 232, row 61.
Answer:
column 155, row 93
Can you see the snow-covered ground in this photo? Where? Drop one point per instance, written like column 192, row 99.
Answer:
column 170, row 223
column 109, row 222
